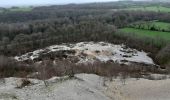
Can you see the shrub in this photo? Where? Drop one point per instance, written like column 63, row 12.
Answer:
column 168, row 67
column 163, row 56
column 23, row 83
column 11, row 68
column 107, row 69
column 49, row 68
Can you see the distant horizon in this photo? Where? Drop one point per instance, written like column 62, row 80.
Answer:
column 12, row 3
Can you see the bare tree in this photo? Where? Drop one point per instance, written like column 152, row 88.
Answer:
column 123, row 77
column 42, row 70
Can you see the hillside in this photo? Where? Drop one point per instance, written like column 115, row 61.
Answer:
column 86, row 86
column 97, row 51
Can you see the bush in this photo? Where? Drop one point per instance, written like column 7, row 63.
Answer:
column 168, row 67
column 11, row 68
column 23, row 83
column 108, row 69
column 48, row 68
column 163, row 56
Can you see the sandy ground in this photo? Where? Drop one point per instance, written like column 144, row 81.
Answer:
column 144, row 89
column 86, row 87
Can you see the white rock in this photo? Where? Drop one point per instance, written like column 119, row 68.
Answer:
column 95, row 51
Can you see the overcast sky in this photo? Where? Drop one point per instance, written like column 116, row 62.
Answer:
column 9, row 3
column 4, row 3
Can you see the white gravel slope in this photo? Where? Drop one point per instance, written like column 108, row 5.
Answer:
column 90, row 51
column 87, row 87
column 144, row 89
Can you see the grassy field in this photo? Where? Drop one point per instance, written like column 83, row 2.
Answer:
column 148, row 33
column 162, row 25
column 150, row 8
column 147, row 25
column 17, row 9
column 24, row 9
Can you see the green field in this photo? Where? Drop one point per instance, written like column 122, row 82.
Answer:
column 161, row 26
column 17, row 9
column 150, row 8
column 24, row 9
column 148, row 33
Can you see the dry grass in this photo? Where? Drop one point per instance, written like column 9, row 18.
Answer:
column 163, row 57
column 9, row 68
column 109, row 69
column 23, row 83
column 48, row 68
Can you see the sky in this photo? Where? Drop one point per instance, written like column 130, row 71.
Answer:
column 7, row 3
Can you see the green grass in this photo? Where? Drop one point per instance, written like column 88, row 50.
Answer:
column 23, row 9
column 148, row 33
column 150, row 8
column 162, row 25
column 17, row 9
column 158, row 25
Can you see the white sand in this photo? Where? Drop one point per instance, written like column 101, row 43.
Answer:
column 87, row 87
column 144, row 89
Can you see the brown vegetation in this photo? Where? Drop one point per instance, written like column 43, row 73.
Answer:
column 163, row 56
column 48, row 68
column 23, row 83
column 9, row 67
column 109, row 69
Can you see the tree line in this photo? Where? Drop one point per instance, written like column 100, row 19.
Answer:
column 37, row 29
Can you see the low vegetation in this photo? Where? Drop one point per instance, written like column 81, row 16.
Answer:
column 149, row 8
column 16, row 9
column 47, row 69
column 165, row 36
column 151, row 25
column 164, row 55
column 9, row 68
